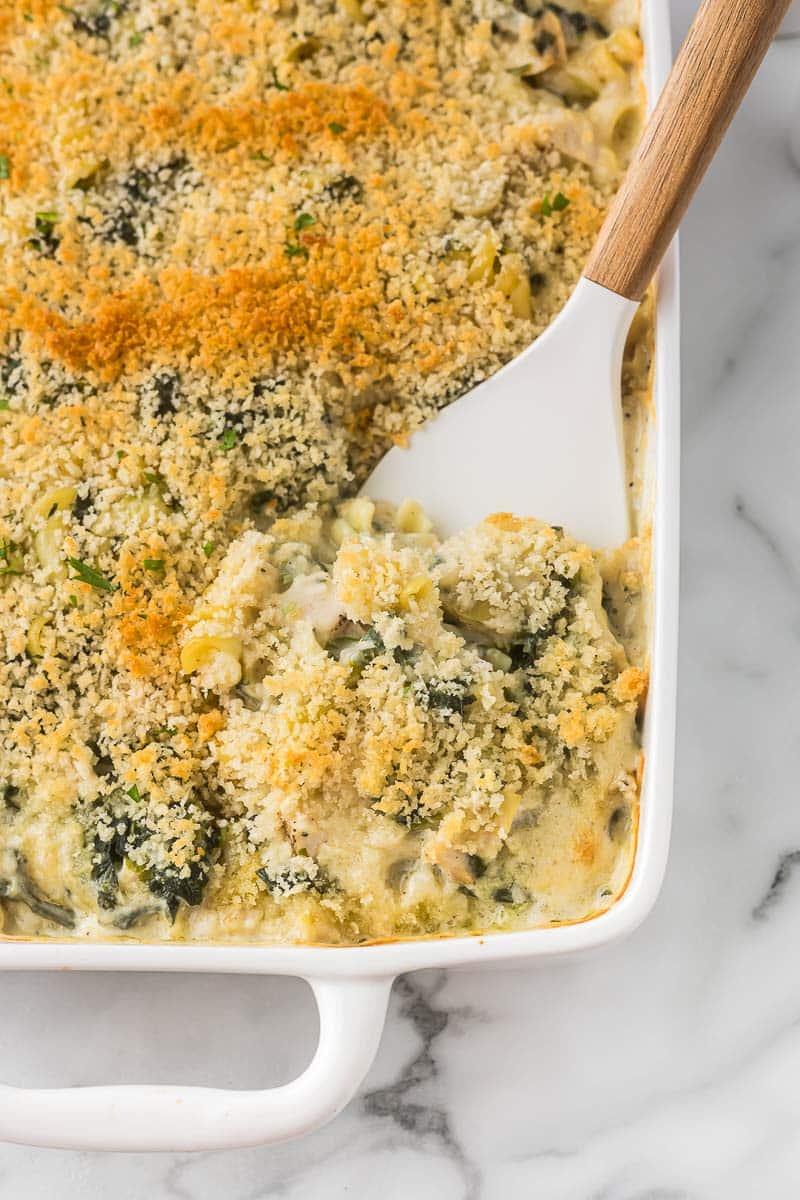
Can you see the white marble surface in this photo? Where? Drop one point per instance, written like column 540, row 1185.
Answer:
column 667, row 1068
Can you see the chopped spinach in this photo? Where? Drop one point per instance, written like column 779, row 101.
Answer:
column 10, row 795
column 619, row 823
column 174, row 888
column 165, row 386
column 358, row 650
column 346, row 187
column 134, row 916
column 447, row 696
column 142, row 189
column 292, row 880
column 19, row 886
column 118, row 826
column 475, row 865
column 82, row 506
column 510, row 893
column 104, row 764
column 96, row 22
column 45, row 239
column 248, row 698
column 575, row 23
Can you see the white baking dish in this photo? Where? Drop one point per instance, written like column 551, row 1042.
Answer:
column 351, row 985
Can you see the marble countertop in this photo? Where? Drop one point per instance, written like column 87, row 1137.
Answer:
column 665, row 1068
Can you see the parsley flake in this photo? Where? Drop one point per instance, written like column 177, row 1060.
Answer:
column 5, row 166
column 87, row 574
column 303, row 221
column 208, row 548
column 294, row 251
column 153, row 564
column 134, row 793
column 229, row 439
column 9, row 558
column 276, row 83
column 557, row 204
column 335, row 127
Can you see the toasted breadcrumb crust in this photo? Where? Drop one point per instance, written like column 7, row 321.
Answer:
column 246, row 248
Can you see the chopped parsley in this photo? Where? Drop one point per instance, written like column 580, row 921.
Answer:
column 153, row 564
column 558, row 203
column 276, row 83
column 229, row 439
column 134, row 793
column 292, row 250
column 208, row 548
column 11, row 563
column 260, row 156
column 335, row 127
column 135, row 39
column 4, row 404
column 303, row 221
column 5, row 166
column 87, row 574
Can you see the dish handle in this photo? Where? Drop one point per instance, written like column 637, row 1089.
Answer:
column 134, row 1117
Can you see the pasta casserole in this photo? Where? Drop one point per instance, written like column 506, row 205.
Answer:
column 247, row 247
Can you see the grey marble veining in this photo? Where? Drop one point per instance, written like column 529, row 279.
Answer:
column 666, row 1068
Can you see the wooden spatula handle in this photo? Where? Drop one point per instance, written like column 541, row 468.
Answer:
column 712, row 72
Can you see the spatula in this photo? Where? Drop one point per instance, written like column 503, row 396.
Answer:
column 543, row 437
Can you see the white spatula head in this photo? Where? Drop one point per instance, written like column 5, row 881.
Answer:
column 541, row 438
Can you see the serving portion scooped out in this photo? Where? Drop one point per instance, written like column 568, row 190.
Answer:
column 420, row 736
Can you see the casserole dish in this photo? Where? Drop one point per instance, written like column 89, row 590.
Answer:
column 351, row 984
